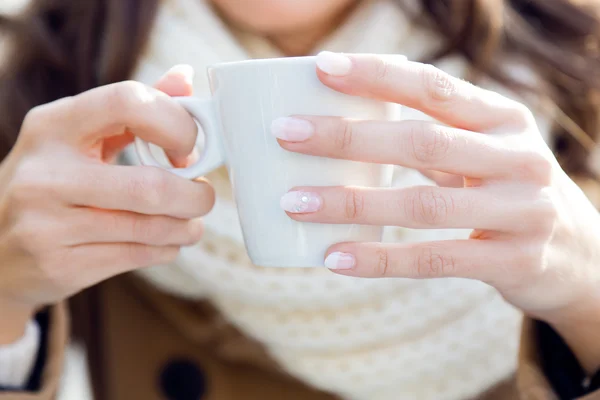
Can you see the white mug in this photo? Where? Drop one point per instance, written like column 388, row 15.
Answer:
column 246, row 97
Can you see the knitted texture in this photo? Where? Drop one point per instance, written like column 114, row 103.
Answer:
column 382, row 339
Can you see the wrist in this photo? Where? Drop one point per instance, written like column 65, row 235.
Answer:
column 14, row 317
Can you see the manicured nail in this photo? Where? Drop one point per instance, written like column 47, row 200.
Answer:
column 334, row 64
column 292, row 129
column 300, row 202
column 339, row 260
column 185, row 70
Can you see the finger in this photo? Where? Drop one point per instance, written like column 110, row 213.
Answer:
column 114, row 109
column 102, row 226
column 104, row 260
column 143, row 190
column 113, row 146
column 413, row 144
column 412, row 207
column 178, row 81
column 423, row 87
column 443, row 179
column 475, row 259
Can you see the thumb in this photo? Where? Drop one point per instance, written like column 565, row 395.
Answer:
column 178, row 81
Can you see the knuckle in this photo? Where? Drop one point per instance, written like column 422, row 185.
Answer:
column 382, row 262
column 537, row 168
column 34, row 234
column 521, row 114
column 430, row 144
column 354, row 204
column 431, row 263
column 45, row 116
column 54, row 265
column 30, row 179
column 542, row 169
column 123, row 99
column 530, row 259
column 439, row 87
column 381, row 68
column 34, row 120
column 428, row 206
column 149, row 188
column 343, row 134
column 26, row 236
column 23, row 185
column 545, row 210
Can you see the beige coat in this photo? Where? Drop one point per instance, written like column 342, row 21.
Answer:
column 144, row 344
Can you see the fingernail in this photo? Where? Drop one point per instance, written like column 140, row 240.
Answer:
column 292, row 129
column 300, row 202
column 182, row 162
column 334, row 64
column 185, row 70
column 193, row 157
column 339, row 260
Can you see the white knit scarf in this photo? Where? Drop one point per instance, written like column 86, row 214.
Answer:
column 385, row 339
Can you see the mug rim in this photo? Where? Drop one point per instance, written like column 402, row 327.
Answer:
column 263, row 61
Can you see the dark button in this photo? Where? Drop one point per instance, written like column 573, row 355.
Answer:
column 182, row 380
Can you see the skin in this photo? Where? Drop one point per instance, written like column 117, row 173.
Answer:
column 70, row 219
column 535, row 238
column 294, row 26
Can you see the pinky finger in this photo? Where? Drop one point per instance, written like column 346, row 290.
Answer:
column 475, row 259
column 101, row 261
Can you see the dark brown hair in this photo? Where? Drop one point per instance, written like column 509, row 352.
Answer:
column 63, row 47
column 59, row 48
column 558, row 39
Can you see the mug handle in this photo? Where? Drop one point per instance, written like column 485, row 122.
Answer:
column 203, row 111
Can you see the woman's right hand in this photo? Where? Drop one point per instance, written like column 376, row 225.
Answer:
column 69, row 218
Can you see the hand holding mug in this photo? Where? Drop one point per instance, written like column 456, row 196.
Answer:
column 536, row 237
column 69, row 218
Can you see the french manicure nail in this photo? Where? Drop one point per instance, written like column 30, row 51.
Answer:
column 292, row 129
column 338, row 260
column 300, row 202
column 334, row 64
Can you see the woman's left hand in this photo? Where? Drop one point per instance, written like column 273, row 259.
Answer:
column 536, row 237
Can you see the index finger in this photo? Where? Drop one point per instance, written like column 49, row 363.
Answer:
column 113, row 109
column 423, row 87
